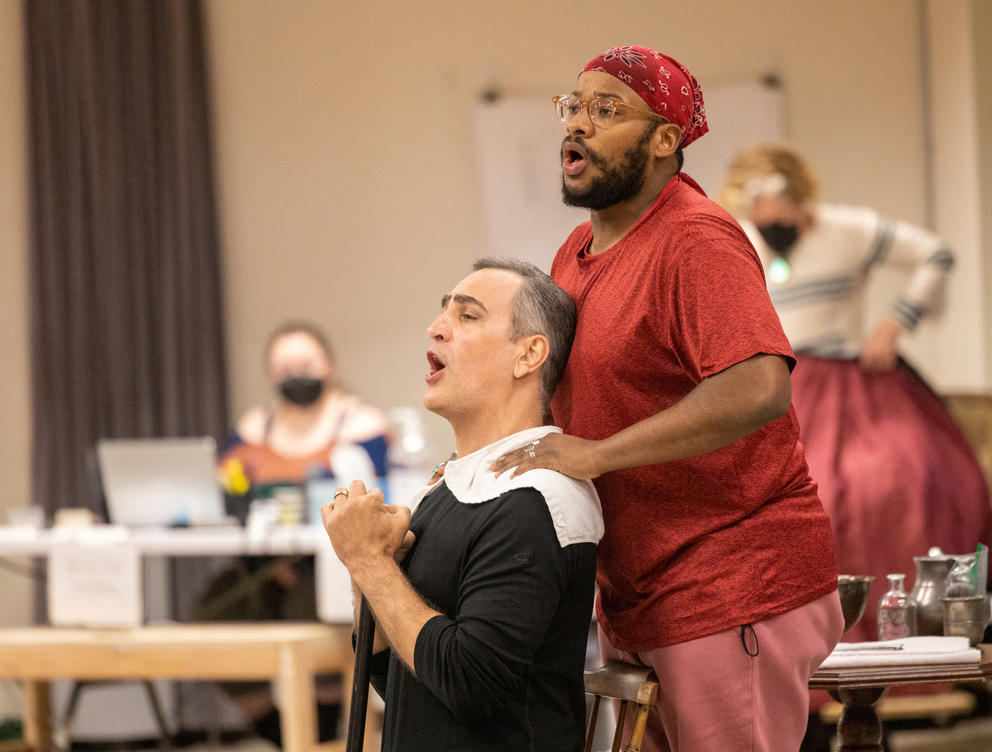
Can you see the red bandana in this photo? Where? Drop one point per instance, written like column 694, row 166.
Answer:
column 664, row 83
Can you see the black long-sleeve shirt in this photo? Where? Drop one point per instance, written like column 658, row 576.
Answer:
column 501, row 668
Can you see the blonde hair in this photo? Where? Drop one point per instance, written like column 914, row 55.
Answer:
column 764, row 169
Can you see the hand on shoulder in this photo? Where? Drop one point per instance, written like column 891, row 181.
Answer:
column 568, row 455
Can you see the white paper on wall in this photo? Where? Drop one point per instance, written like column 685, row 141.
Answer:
column 518, row 140
column 517, row 143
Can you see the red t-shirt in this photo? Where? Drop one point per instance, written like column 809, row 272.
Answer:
column 704, row 544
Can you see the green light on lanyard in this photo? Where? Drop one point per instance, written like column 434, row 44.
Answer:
column 778, row 270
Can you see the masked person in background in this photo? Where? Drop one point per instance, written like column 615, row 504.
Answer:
column 313, row 429
column 895, row 473
column 293, row 439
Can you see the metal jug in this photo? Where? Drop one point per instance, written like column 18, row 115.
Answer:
column 930, row 586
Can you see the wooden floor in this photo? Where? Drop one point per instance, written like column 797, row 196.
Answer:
column 965, row 736
column 969, row 735
column 251, row 745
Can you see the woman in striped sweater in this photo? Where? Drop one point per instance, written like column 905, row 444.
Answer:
column 895, row 473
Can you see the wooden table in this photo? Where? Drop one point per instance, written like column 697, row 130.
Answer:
column 291, row 652
column 858, row 689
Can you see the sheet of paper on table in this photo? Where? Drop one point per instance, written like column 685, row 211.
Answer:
column 907, row 651
column 94, row 579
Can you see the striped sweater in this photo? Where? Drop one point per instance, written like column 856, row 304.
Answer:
column 821, row 303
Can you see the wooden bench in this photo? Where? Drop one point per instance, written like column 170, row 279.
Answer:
column 293, row 653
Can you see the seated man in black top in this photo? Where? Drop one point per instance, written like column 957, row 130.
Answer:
column 482, row 626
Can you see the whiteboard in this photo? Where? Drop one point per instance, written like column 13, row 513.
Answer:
column 517, row 142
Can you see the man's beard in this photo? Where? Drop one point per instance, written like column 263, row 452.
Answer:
column 617, row 183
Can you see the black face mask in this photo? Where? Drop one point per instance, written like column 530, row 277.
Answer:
column 301, row 390
column 780, row 238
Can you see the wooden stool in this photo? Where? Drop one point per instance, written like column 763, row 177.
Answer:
column 630, row 684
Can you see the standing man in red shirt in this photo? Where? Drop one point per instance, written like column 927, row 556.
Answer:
column 717, row 567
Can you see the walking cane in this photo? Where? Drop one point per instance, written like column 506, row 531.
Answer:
column 360, row 683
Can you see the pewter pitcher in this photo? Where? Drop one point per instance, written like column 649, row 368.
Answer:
column 930, row 586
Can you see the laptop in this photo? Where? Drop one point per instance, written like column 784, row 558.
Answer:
column 160, row 482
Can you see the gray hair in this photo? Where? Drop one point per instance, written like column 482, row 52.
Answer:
column 539, row 307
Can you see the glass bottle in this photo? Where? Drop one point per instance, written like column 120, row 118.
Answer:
column 896, row 611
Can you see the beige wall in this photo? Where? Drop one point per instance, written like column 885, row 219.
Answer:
column 346, row 172
column 15, row 443
column 956, row 347
column 981, row 28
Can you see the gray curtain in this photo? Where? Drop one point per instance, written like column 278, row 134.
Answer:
column 126, row 319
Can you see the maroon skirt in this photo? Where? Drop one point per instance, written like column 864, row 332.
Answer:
column 896, row 475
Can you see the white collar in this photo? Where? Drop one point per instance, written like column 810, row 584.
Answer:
column 573, row 504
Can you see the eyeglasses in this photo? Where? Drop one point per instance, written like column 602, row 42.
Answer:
column 602, row 111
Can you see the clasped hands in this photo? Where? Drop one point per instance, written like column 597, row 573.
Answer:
column 363, row 529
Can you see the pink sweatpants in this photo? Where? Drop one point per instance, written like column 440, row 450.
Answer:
column 717, row 696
